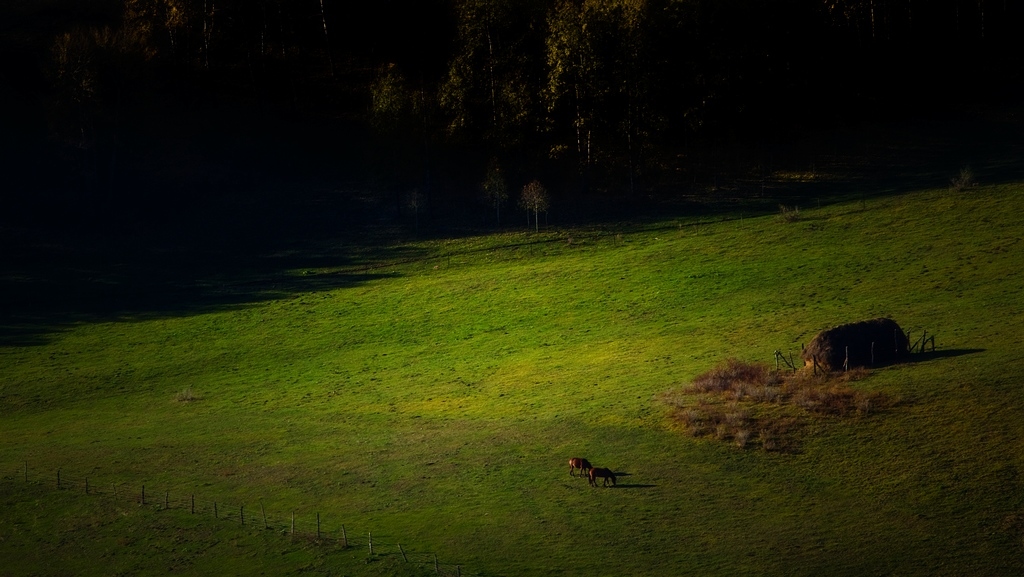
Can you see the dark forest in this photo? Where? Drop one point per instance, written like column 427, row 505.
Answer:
column 132, row 113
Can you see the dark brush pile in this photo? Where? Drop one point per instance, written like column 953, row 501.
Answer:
column 872, row 343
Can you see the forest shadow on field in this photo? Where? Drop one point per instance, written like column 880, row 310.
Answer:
column 874, row 162
column 796, row 173
column 249, row 245
column 52, row 281
column 870, row 161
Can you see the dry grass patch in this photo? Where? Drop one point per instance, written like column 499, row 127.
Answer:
column 789, row 213
column 186, row 395
column 964, row 180
column 749, row 403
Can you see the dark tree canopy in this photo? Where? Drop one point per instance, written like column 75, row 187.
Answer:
column 126, row 104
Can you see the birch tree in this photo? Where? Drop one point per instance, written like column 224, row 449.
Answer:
column 534, row 198
column 572, row 73
column 490, row 85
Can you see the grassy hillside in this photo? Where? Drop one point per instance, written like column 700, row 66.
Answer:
column 435, row 404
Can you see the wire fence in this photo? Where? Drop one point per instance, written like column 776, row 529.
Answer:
column 321, row 530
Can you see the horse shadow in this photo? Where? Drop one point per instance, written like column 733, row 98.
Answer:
column 620, row 474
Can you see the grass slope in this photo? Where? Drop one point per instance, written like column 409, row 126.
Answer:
column 436, row 404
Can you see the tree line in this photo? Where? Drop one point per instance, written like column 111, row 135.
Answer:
column 467, row 100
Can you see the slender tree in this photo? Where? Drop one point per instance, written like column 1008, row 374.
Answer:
column 327, row 38
column 494, row 188
column 534, row 199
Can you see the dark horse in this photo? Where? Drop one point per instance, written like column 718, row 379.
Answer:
column 579, row 463
column 603, row 473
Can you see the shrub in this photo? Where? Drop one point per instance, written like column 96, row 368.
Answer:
column 964, row 180
column 748, row 389
column 731, row 376
column 765, row 394
column 186, row 395
column 710, row 384
column 807, row 398
column 722, row 432
column 741, row 438
column 691, row 417
column 864, row 405
column 787, row 214
column 736, row 418
column 737, row 392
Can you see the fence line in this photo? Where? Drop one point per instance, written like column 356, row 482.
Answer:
column 294, row 527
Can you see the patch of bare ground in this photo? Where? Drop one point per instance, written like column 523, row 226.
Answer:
column 752, row 405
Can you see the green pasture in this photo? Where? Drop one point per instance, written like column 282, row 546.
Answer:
column 435, row 402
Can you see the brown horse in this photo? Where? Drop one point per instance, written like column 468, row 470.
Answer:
column 579, row 463
column 605, row 474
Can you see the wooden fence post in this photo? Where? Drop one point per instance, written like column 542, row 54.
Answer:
column 143, row 494
column 369, row 536
column 193, row 503
column 265, row 525
column 87, row 485
column 293, row 525
column 241, row 514
column 215, row 515
column 167, row 499
column 344, row 536
column 318, row 526
column 403, row 553
column 58, row 478
column 26, row 471
column 437, row 567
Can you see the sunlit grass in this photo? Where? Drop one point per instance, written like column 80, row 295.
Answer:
column 438, row 403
